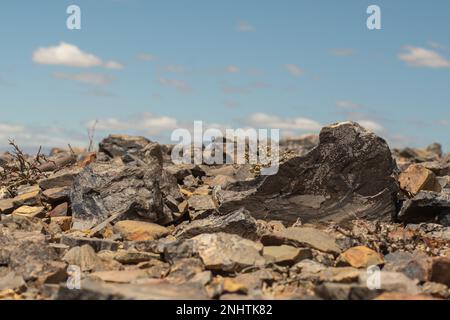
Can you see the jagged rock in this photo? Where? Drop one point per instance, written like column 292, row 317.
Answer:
column 56, row 196
column 96, row 244
column 239, row 222
column 417, row 178
column 140, row 231
column 102, row 190
column 61, row 210
column 132, row 149
column 350, row 171
column 303, row 236
column 218, row 251
column 60, row 179
column 426, row 206
column 360, row 257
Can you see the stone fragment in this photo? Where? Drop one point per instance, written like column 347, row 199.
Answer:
column 151, row 290
column 60, row 179
column 96, row 244
column 349, row 171
column 83, row 257
column 426, row 206
column 61, row 210
column 417, row 178
column 360, row 257
column 29, row 195
column 440, row 271
column 11, row 281
column 120, row 276
column 239, row 222
column 31, row 212
column 202, row 202
column 303, row 236
column 140, row 231
column 56, row 196
column 133, row 257
column 6, row 206
column 286, row 255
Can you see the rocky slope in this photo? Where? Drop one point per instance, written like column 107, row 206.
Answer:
column 344, row 218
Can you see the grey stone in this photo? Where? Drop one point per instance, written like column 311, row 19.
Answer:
column 350, row 170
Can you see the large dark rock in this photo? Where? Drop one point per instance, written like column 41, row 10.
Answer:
column 348, row 175
column 426, row 206
column 105, row 189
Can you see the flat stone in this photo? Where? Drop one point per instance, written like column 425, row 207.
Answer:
column 96, row 244
column 151, row 290
column 303, row 236
column 417, row 178
column 140, row 231
column 6, row 206
column 63, row 178
column 31, row 212
column 286, row 255
column 340, row 274
column 202, row 202
column 28, row 196
column 133, row 257
column 120, row 276
column 56, row 195
column 360, row 257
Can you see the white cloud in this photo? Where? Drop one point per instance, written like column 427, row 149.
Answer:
column 371, row 125
column 69, row 55
column 113, row 65
column 179, row 85
column 263, row 120
column 28, row 138
column 146, row 123
column 244, row 26
column 294, row 70
column 97, row 79
column 421, row 57
column 348, row 105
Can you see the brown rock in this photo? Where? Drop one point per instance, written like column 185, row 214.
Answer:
column 417, row 178
column 360, row 257
column 31, row 212
column 303, row 236
column 440, row 271
column 140, row 231
column 6, row 206
column 60, row 210
column 286, row 255
column 56, row 195
column 63, row 222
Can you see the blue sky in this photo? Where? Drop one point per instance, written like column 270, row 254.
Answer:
column 148, row 67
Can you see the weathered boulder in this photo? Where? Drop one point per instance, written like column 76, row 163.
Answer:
column 426, row 206
column 104, row 189
column 348, row 175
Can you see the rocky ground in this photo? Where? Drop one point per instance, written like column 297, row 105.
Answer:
column 137, row 226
